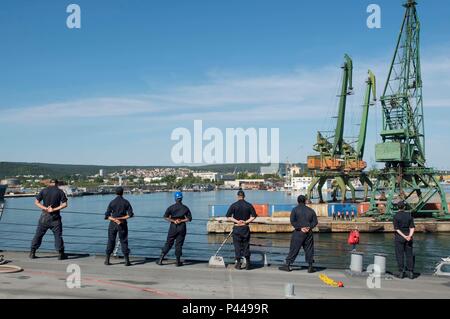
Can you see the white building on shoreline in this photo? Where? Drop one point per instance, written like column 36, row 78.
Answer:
column 298, row 183
column 209, row 176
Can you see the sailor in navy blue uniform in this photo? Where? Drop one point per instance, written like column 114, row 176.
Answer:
column 304, row 220
column 118, row 211
column 404, row 232
column 178, row 215
column 53, row 201
column 241, row 213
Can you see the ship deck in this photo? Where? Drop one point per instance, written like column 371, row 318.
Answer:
column 45, row 277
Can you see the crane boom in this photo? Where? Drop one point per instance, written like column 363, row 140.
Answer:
column 370, row 90
column 346, row 89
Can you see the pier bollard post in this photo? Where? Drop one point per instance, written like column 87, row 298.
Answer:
column 380, row 261
column 356, row 264
column 289, row 290
column 266, row 260
column 116, row 250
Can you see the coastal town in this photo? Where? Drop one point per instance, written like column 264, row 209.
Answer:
column 289, row 178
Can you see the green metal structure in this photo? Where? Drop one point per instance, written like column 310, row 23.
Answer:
column 346, row 89
column 339, row 160
column 405, row 175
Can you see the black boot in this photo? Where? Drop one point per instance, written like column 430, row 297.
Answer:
column 400, row 275
column 411, row 275
column 161, row 258
column 179, row 262
column 62, row 255
column 238, row 264
column 127, row 260
column 286, row 267
column 32, row 254
column 311, row 269
column 248, row 265
column 107, row 263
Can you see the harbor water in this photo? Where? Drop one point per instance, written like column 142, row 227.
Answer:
column 85, row 231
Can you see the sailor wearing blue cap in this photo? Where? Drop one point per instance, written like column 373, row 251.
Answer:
column 178, row 215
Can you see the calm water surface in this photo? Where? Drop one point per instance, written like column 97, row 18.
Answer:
column 86, row 233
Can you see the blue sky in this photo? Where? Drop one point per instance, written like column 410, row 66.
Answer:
column 112, row 92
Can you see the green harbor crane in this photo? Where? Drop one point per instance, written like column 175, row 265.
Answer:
column 405, row 175
column 339, row 160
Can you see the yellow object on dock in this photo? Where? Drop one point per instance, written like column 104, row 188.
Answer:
column 331, row 282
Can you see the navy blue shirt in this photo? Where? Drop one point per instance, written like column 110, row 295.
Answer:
column 119, row 207
column 241, row 210
column 178, row 211
column 52, row 196
column 303, row 216
column 403, row 221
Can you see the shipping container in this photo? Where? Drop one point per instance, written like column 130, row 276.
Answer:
column 320, row 209
column 262, row 210
column 335, row 208
column 363, row 208
column 281, row 210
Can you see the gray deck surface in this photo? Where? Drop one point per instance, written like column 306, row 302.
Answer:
column 45, row 277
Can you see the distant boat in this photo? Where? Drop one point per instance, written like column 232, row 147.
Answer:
column 3, row 191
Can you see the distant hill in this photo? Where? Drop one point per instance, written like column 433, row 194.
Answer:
column 10, row 169
column 230, row 168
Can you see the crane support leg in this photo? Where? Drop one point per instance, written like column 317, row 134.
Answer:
column 342, row 185
column 311, row 186
column 352, row 188
column 367, row 183
column 322, row 181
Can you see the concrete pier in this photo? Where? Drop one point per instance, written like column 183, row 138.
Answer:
column 46, row 277
column 327, row 225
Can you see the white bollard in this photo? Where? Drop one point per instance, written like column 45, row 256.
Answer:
column 266, row 260
column 356, row 264
column 380, row 261
column 289, row 290
column 116, row 250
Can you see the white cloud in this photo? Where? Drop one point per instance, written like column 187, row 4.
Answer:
column 299, row 93
column 88, row 108
column 303, row 93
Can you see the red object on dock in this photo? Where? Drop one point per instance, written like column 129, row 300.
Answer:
column 363, row 208
column 353, row 237
column 262, row 210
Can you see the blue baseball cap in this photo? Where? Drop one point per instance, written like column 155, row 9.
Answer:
column 178, row 195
